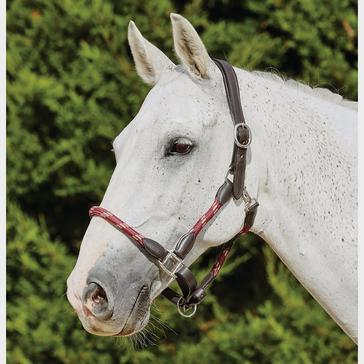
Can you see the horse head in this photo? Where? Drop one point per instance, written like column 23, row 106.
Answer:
column 170, row 160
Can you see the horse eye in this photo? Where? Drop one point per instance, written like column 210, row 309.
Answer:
column 180, row 147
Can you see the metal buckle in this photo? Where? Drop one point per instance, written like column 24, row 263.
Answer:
column 236, row 141
column 249, row 201
column 171, row 264
column 183, row 310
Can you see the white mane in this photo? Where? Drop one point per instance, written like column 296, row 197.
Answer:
column 320, row 92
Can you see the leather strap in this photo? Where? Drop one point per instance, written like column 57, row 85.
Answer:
column 243, row 135
column 232, row 90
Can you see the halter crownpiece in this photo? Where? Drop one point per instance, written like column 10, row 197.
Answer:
column 171, row 262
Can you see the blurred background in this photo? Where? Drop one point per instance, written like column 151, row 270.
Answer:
column 71, row 88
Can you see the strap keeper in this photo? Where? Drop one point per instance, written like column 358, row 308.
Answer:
column 224, row 193
column 185, row 244
column 197, row 296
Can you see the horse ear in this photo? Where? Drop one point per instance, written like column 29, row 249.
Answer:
column 189, row 47
column 150, row 62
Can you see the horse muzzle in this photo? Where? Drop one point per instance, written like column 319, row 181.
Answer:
column 106, row 309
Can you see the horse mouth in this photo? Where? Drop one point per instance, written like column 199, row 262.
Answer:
column 139, row 313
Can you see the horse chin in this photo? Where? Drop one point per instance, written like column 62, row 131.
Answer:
column 139, row 315
column 133, row 328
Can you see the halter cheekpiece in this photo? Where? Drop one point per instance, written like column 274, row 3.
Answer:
column 171, row 262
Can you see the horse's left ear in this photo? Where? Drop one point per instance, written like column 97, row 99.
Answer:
column 190, row 49
column 150, row 62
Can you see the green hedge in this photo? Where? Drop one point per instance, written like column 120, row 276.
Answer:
column 71, row 88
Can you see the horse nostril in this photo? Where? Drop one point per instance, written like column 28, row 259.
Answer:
column 95, row 300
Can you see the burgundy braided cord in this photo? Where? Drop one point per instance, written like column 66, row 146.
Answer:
column 244, row 230
column 129, row 231
column 220, row 260
column 197, row 227
column 206, row 217
column 117, row 223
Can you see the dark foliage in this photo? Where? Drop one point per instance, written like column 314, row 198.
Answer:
column 71, row 88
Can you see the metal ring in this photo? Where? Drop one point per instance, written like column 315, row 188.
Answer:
column 183, row 313
column 240, row 145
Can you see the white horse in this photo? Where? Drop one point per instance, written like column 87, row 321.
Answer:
column 173, row 156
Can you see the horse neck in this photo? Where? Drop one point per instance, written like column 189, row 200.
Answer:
column 305, row 170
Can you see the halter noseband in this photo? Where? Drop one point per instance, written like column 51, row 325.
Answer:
column 172, row 262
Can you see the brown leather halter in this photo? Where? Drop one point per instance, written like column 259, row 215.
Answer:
column 172, row 262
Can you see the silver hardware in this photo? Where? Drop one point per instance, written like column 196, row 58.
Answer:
column 171, row 264
column 248, row 200
column 183, row 311
column 242, row 125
